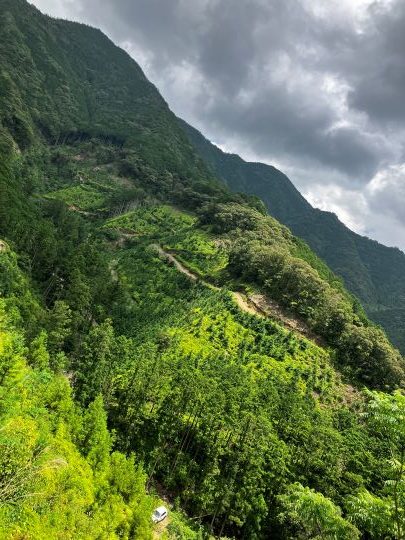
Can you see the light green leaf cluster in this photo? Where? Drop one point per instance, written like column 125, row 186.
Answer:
column 58, row 477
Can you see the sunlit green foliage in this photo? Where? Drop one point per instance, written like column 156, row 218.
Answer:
column 244, row 425
column 204, row 394
column 264, row 252
column 315, row 516
column 84, row 197
column 384, row 515
column 152, row 221
column 58, row 477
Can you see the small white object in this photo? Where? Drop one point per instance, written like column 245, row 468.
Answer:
column 159, row 514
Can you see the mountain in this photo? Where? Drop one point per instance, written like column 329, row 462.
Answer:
column 371, row 271
column 64, row 90
column 164, row 340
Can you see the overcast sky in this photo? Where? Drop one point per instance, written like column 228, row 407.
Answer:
column 315, row 87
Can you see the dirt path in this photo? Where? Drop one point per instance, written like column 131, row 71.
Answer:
column 245, row 305
column 271, row 309
column 74, row 208
column 255, row 304
column 180, row 267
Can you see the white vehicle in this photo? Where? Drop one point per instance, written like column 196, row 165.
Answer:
column 159, row 514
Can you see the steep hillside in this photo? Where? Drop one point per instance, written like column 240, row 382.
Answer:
column 68, row 81
column 58, row 475
column 225, row 356
column 371, row 271
column 203, row 392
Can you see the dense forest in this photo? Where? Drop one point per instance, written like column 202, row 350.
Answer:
column 165, row 339
column 371, row 271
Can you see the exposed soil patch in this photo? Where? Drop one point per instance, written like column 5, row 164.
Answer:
column 246, row 305
column 160, row 528
column 271, row 309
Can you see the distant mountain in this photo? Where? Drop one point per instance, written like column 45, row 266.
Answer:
column 373, row 272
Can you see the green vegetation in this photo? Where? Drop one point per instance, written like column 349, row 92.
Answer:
column 122, row 380
column 314, row 515
column 264, row 252
column 371, row 271
column 203, row 394
column 152, row 221
column 58, row 474
column 86, row 197
column 177, row 231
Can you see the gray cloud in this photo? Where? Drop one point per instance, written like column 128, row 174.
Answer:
column 379, row 86
column 315, row 87
column 387, row 193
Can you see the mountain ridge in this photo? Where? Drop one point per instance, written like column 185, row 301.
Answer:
column 370, row 270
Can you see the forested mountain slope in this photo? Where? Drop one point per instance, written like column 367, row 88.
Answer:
column 246, row 427
column 56, row 461
column 373, row 272
column 67, row 81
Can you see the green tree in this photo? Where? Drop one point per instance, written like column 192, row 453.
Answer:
column 314, row 516
column 95, row 366
column 97, row 439
column 39, row 355
column 385, row 419
column 58, row 322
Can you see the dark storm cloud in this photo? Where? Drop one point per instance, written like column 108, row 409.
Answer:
column 285, row 126
column 263, row 69
column 316, row 87
column 380, row 84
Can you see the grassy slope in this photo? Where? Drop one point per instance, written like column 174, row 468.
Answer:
column 208, row 250
column 78, row 96
column 64, row 93
column 189, row 340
